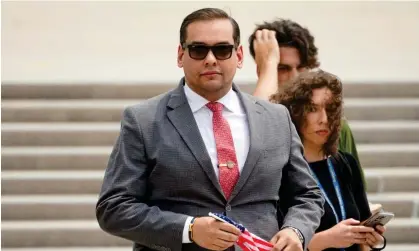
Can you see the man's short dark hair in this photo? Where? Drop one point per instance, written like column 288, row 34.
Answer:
column 207, row 14
column 291, row 34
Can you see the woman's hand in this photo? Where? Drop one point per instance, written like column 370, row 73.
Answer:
column 375, row 238
column 348, row 232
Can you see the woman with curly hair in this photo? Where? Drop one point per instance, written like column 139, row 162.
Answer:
column 282, row 49
column 314, row 100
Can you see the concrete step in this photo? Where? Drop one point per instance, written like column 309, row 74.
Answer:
column 105, row 133
column 63, row 110
column 402, row 204
column 60, row 134
column 87, row 90
column 147, row 90
column 85, row 182
column 49, row 207
column 55, row 158
column 383, row 180
column 96, row 157
column 51, row 182
column 81, row 206
column 403, row 230
column 388, row 155
column 374, row 132
column 381, row 109
column 72, row 233
column 111, row 110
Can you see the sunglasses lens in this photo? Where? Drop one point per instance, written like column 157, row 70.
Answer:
column 198, row 52
column 222, row 52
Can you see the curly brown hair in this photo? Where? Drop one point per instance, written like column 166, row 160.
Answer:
column 296, row 96
column 291, row 34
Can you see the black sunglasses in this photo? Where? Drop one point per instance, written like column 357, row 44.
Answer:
column 200, row 51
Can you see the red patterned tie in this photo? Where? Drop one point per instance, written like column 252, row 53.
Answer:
column 226, row 154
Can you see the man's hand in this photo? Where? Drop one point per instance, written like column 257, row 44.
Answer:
column 266, row 49
column 267, row 59
column 286, row 240
column 211, row 234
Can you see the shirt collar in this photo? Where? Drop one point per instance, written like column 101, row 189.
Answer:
column 196, row 101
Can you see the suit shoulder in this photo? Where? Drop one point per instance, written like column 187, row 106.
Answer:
column 150, row 104
column 267, row 105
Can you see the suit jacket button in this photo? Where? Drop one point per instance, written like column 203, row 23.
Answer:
column 228, row 207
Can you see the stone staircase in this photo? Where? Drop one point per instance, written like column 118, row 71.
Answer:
column 56, row 140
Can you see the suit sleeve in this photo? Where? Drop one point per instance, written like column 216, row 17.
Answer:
column 301, row 199
column 122, row 208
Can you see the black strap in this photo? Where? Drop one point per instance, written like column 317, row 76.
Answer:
column 381, row 248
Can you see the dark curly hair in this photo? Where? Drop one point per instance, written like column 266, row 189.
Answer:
column 291, row 34
column 296, row 96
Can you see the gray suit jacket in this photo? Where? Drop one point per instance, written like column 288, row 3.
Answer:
column 159, row 172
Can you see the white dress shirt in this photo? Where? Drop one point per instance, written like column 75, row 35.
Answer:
column 234, row 113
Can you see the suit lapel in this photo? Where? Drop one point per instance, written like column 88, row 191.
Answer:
column 256, row 124
column 181, row 116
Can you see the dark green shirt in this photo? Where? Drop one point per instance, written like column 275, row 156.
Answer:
column 347, row 144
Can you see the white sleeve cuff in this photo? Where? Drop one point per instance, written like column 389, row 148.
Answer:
column 185, row 236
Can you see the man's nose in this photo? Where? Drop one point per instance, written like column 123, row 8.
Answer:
column 210, row 59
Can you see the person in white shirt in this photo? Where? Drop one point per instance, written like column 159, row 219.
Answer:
column 207, row 147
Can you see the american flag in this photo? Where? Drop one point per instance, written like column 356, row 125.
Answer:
column 247, row 241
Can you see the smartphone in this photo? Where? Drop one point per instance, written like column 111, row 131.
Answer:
column 380, row 218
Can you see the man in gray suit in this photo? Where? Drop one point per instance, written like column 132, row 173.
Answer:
column 207, row 147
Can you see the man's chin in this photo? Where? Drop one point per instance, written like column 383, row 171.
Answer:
column 214, row 86
column 216, row 83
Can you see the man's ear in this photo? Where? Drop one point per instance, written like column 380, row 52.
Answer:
column 180, row 53
column 240, row 56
